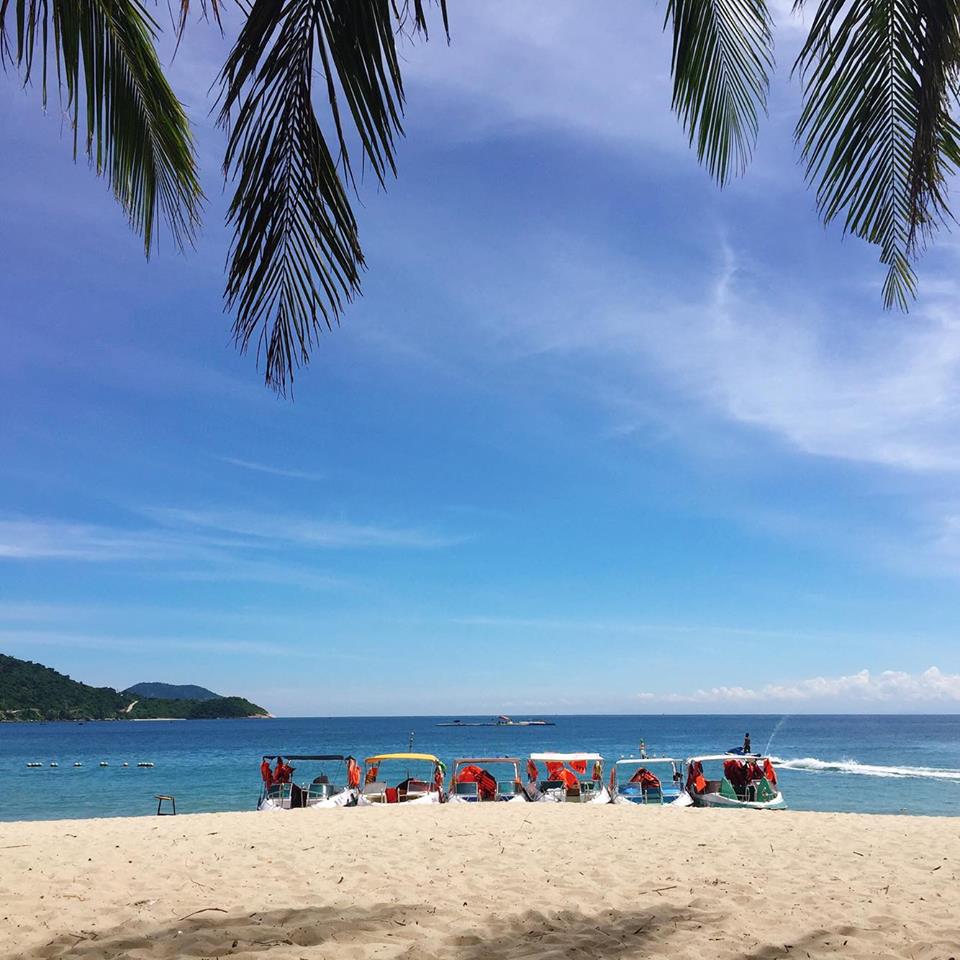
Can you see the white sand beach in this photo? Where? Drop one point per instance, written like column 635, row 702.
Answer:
column 498, row 881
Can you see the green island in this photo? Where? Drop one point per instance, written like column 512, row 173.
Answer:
column 33, row 692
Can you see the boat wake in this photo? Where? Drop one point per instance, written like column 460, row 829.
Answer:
column 813, row 765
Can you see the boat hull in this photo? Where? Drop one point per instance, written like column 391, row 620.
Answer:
column 718, row 800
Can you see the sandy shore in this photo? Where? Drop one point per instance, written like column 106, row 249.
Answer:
column 482, row 883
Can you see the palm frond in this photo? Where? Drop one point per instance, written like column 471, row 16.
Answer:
column 722, row 57
column 295, row 259
column 136, row 132
column 875, row 131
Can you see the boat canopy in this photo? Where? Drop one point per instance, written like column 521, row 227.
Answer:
column 514, row 760
column 646, row 761
column 428, row 757
column 305, row 756
column 564, row 757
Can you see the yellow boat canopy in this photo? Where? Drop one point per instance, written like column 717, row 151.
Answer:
column 429, row 757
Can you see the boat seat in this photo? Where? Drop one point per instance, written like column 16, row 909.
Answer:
column 507, row 789
column 375, row 791
column 470, row 791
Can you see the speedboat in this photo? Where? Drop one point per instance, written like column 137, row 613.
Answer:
column 410, row 788
column 657, row 780
column 743, row 781
column 335, row 782
column 472, row 780
column 566, row 778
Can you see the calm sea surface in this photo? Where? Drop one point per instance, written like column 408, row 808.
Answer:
column 877, row 764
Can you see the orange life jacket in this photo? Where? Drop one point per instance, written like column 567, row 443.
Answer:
column 372, row 773
column 555, row 770
column 532, row 772
column 266, row 773
column 353, row 773
column 695, row 778
column 569, row 779
column 579, row 766
column 646, row 779
column 769, row 772
column 597, row 770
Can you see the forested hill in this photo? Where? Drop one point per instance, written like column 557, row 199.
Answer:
column 31, row 691
column 171, row 691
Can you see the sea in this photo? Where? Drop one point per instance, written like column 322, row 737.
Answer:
column 866, row 764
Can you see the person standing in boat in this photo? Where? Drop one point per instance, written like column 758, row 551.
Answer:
column 746, row 743
column 643, row 750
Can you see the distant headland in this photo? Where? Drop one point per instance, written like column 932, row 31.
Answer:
column 32, row 692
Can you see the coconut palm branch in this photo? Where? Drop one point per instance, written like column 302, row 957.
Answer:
column 722, row 57
column 136, row 132
column 876, row 133
column 295, row 259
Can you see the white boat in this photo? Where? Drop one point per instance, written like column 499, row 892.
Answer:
column 648, row 780
column 473, row 780
column 410, row 788
column 335, row 782
column 741, row 782
column 566, row 778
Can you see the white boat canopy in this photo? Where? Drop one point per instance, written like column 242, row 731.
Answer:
column 643, row 761
column 564, row 757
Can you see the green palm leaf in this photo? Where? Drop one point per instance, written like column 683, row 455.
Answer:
column 295, row 259
column 875, row 130
column 135, row 130
column 722, row 56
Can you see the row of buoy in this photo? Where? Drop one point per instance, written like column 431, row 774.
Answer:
column 103, row 763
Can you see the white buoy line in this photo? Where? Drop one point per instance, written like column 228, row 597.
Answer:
column 33, row 764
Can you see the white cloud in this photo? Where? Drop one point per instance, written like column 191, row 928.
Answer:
column 896, row 687
column 42, row 539
column 513, row 63
column 301, row 529
column 197, row 535
column 825, row 372
column 267, row 468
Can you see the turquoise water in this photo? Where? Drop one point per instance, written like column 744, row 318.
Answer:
column 878, row 764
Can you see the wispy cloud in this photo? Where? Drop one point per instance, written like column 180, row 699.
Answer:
column 44, row 539
column 522, row 64
column 302, row 530
column 267, row 468
column 197, row 535
column 18, row 639
column 759, row 352
column 863, row 688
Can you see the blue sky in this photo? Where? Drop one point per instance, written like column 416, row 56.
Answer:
column 598, row 436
